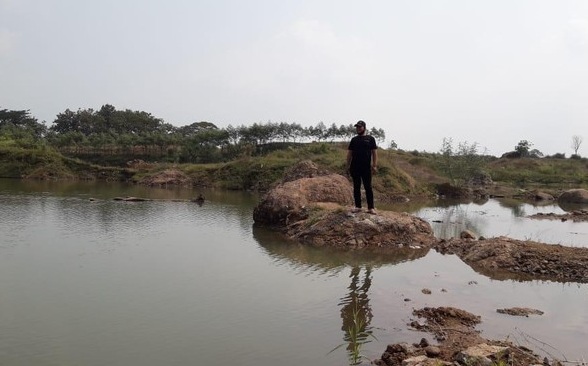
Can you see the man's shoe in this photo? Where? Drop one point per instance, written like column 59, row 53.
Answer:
column 372, row 211
column 356, row 210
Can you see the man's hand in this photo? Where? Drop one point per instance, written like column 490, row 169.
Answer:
column 374, row 169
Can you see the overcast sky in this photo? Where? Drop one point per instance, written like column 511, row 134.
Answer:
column 493, row 72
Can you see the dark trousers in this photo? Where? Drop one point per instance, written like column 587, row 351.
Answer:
column 365, row 177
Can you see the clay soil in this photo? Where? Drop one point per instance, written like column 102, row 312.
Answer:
column 506, row 258
column 575, row 216
column 458, row 343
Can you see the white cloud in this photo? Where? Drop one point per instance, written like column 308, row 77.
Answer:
column 7, row 40
column 577, row 33
column 318, row 46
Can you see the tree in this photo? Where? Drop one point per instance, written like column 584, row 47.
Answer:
column 576, row 142
column 463, row 164
column 523, row 148
column 21, row 121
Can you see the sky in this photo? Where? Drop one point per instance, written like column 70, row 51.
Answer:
column 491, row 72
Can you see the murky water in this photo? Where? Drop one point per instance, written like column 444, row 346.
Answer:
column 170, row 282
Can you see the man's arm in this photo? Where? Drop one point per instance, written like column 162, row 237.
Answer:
column 375, row 160
column 349, row 157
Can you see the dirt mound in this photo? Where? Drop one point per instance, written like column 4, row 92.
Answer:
column 447, row 317
column 289, row 202
column 459, row 343
column 310, row 208
column 574, row 196
column 343, row 229
column 575, row 216
column 167, row 177
column 503, row 257
column 304, row 169
column 517, row 311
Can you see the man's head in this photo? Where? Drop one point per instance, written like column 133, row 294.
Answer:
column 360, row 127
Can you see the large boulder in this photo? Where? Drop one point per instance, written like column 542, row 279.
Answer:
column 289, row 201
column 343, row 229
column 574, row 196
column 313, row 207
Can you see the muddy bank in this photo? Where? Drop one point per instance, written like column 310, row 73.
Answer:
column 315, row 210
column 456, row 342
column 575, row 216
column 313, row 207
column 506, row 258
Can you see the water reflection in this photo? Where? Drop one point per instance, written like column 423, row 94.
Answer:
column 503, row 217
column 329, row 261
column 568, row 207
column 454, row 219
column 356, row 313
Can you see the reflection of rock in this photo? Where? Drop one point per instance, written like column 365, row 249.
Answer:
column 328, row 259
column 198, row 200
column 131, row 199
column 574, row 196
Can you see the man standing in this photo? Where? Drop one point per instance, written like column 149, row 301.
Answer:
column 362, row 160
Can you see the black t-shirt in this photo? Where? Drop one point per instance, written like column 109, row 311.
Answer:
column 361, row 147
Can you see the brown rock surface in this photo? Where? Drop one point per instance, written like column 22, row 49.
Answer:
column 459, row 343
column 503, row 257
column 575, row 216
column 578, row 195
column 167, row 177
column 517, row 311
column 342, row 229
column 289, row 202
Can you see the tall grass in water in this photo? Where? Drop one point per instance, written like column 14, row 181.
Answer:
column 357, row 335
column 356, row 315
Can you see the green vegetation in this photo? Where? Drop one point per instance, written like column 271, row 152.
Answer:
column 357, row 335
column 130, row 145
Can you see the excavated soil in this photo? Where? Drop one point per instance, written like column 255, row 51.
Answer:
column 167, row 177
column 458, row 343
column 506, row 258
column 575, row 216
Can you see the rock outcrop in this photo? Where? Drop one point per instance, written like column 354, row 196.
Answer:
column 167, row 177
column 313, row 207
column 459, row 343
column 290, row 201
column 342, row 229
column 574, row 196
column 503, row 257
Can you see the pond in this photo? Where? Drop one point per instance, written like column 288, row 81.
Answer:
column 168, row 281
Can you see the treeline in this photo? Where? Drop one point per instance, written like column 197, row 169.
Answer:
column 137, row 134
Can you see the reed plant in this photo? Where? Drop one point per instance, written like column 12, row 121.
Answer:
column 357, row 335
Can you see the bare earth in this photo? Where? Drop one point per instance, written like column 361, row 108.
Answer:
column 506, row 258
column 314, row 209
column 575, row 216
column 459, row 343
